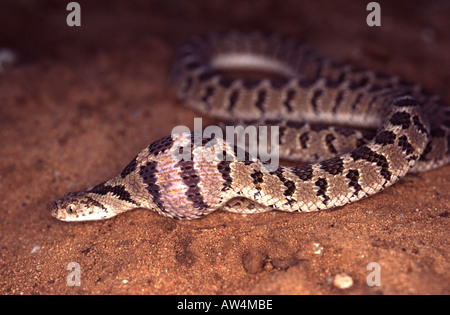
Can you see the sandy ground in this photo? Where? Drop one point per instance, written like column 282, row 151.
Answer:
column 81, row 102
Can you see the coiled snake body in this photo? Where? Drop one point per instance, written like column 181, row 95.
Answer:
column 413, row 134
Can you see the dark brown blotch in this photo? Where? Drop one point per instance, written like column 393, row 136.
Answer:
column 385, row 137
column 334, row 166
column 329, row 138
column 365, row 153
column 129, row 168
column 191, row 179
column 304, row 172
column 322, row 184
column 160, row 146
column 401, row 119
column 119, row 191
column 353, row 176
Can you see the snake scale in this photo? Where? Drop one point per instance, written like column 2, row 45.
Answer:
column 303, row 93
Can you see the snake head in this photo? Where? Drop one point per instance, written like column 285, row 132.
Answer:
column 79, row 206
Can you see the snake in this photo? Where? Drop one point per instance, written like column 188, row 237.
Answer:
column 357, row 130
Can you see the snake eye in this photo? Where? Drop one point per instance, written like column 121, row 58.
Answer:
column 70, row 208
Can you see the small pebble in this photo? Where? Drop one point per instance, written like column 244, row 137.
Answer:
column 342, row 281
column 317, row 249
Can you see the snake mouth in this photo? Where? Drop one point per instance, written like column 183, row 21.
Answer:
column 56, row 212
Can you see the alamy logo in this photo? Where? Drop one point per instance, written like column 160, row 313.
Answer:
column 74, row 278
column 74, row 17
column 374, row 277
column 374, row 17
column 257, row 146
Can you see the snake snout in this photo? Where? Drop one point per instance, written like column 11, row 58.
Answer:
column 54, row 209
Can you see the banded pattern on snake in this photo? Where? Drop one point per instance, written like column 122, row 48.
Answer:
column 303, row 92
